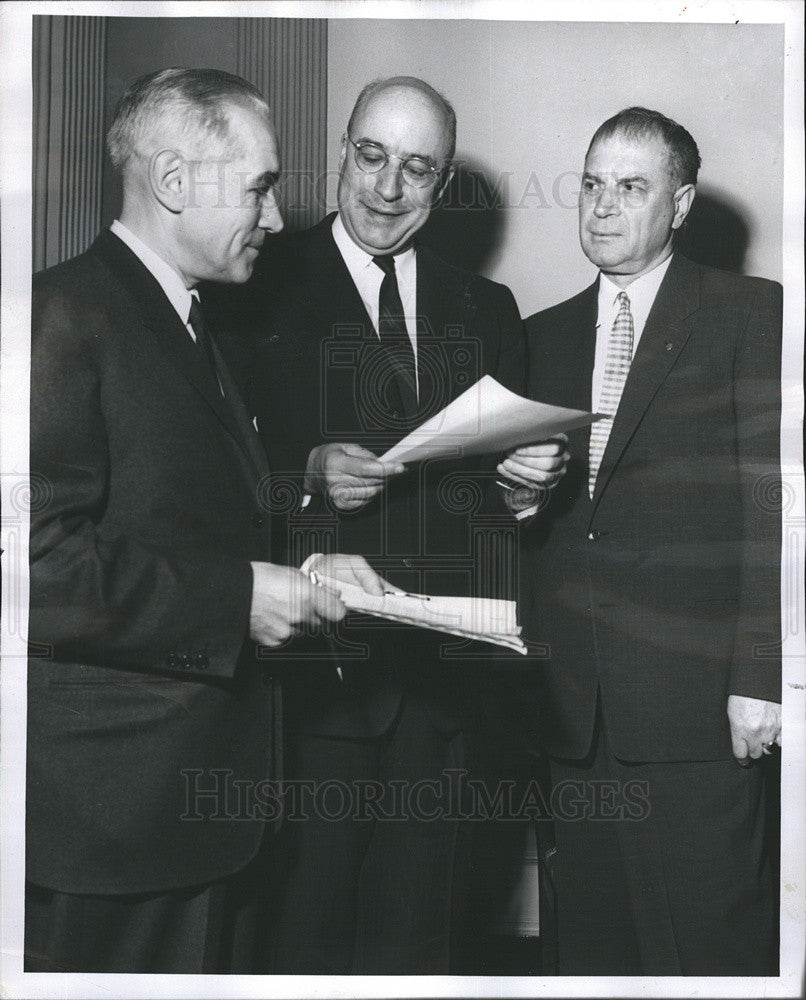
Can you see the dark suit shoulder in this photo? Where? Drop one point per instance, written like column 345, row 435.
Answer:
column 561, row 311
column 730, row 285
column 75, row 301
column 459, row 276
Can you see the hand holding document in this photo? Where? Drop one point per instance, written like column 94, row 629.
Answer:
column 486, row 418
column 471, row 617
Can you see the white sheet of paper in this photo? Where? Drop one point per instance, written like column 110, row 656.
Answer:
column 479, row 618
column 486, row 418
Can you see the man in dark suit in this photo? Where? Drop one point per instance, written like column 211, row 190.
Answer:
column 653, row 576
column 151, row 723
column 363, row 333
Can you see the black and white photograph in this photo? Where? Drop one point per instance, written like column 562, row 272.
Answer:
column 402, row 499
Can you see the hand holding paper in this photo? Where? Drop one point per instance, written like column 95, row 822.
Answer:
column 472, row 617
column 485, row 419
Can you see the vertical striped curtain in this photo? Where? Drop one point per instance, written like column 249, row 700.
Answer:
column 286, row 59
column 69, row 55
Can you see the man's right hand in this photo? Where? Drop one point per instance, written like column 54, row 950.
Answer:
column 284, row 599
column 349, row 475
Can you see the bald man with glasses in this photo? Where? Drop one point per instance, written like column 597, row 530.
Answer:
column 366, row 334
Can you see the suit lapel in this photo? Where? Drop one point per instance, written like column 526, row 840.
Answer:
column 664, row 337
column 172, row 339
column 334, row 297
column 566, row 372
column 445, row 310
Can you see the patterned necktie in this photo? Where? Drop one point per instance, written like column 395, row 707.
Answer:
column 617, row 367
column 196, row 321
column 393, row 333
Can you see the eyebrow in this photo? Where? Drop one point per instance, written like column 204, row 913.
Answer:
column 266, row 180
column 408, row 156
column 619, row 180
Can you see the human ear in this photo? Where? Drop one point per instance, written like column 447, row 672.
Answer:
column 683, row 198
column 168, row 178
column 449, row 174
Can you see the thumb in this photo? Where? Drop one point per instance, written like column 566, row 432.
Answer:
column 356, row 450
column 741, row 750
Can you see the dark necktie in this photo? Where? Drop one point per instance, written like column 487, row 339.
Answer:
column 394, row 335
column 232, row 405
column 205, row 347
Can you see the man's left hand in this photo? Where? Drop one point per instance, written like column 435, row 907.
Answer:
column 753, row 723
column 537, row 465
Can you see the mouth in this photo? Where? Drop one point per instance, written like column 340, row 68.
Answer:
column 603, row 236
column 384, row 213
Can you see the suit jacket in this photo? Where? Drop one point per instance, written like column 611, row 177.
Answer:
column 143, row 687
column 316, row 374
column 663, row 590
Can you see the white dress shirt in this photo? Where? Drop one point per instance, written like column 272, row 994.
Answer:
column 367, row 278
column 169, row 280
column 641, row 293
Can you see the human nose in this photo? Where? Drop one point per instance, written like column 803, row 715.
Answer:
column 270, row 216
column 607, row 202
column 389, row 184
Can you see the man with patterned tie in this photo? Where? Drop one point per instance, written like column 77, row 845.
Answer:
column 362, row 333
column 653, row 576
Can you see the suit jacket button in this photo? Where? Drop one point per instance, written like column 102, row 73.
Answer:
column 202, row 661
column 594, row 536
column 408, row 563
column 173, row 660
column 257, row 519
column 187, row 661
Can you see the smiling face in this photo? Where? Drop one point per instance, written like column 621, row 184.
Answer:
column 231, row 203
column 629, row 206
column 379, row 211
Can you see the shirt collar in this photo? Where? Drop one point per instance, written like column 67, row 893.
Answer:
column 358, row 260
column 169, row 280
column 641, row 292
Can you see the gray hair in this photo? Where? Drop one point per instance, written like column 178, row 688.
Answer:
column 413, row 83
column 642, row 123
column 178, row 106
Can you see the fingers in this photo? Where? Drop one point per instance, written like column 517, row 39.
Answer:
column 367, row 578
column 543, row 449
column 540, row 464
column 326, row 606
column 351, row 496
column 352, row 569
column 532, row 472
column 353, row 460
column 741, row 751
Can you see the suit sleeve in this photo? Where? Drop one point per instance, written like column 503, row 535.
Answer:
column 756, row 664
column 100, row 593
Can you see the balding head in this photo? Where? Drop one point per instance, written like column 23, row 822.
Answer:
column 395, row 162
column 402, row 83
column 184, row 109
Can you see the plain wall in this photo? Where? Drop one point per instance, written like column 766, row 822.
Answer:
column 529, row 95
column 138, row 45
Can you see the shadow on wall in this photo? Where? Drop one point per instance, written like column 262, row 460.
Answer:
column 715, row 233
column 467, row 227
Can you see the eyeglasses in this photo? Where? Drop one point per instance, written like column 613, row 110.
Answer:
column 371, row 158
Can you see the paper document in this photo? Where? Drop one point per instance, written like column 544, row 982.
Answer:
column 472, row 617
column 486, row 418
